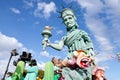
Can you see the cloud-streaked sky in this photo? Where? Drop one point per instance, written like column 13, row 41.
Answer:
column 22, row 21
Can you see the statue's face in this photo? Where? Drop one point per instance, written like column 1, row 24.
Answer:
column 69, row 21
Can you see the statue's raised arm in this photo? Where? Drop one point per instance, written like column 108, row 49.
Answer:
column 46, row 33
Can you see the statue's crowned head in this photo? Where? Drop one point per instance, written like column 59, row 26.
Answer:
column 66, row 12
column 69, row 18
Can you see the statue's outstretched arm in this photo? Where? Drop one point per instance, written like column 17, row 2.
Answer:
column 58, row 46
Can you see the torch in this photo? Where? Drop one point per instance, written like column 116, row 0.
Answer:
column 46, row 33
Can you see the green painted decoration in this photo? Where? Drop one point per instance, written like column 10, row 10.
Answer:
column 49, row 71
column 18, row 74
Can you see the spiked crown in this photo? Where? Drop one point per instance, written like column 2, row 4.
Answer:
column 66, row 11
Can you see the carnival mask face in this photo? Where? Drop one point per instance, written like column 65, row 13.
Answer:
column 55, row 61
column 69, row 21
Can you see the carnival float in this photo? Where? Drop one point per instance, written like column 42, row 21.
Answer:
column 79, row 63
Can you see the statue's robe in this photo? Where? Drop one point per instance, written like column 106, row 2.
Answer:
column 77, row 40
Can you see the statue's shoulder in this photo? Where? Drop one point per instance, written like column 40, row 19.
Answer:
column 82, row 31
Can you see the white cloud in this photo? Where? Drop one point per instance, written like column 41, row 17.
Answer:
column 103, row 19
column 37, row 22
column 59, row 32
column 48, row 55
column 97, row 25
column 112, row 5
column 4, row 65
column 92, row 6
column 41, row 65
column 103, row 57
column 105, row 44
column 28, row 4
column 112, row 10
column 21, row 19
column 6, row 45
column 44, row 9
column 45, row 53
column 56, row 41
column 14, row 10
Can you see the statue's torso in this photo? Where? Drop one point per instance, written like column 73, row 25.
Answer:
column 77, row 40
column 74, row 41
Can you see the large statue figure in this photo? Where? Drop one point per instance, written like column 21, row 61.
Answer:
column 75, row 40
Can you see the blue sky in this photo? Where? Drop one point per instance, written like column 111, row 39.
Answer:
column 22, row 21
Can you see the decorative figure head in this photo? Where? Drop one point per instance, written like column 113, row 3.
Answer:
column 9, row 74
column 33, row 62
column 69, row 18
column 54, row 61
column 99, row 72
column 14, row 52
column 118, row 55
column 83, row 60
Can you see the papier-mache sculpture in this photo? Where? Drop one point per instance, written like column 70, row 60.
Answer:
column 75, row 40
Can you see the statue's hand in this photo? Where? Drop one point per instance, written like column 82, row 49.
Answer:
column 46, row 42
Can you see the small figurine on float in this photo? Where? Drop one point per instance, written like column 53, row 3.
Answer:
column 57, row 69
column 32, row 70
column 99, row 74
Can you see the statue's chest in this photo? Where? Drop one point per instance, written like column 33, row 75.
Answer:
column 70, row 37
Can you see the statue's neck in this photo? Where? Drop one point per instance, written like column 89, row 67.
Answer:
column 71, row 29
column 75, row 26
